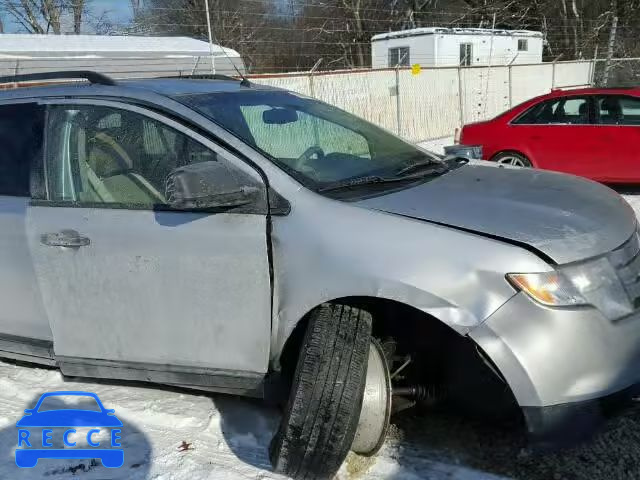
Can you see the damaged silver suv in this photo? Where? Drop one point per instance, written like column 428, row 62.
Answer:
column 225, row 236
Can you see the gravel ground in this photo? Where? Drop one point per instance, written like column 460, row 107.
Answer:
column 613, row 454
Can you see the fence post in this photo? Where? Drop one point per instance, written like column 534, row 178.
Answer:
column 594, row 63
column 312, row 88
column 612, row 44
column 553, row 71
column 16, row 72
column 398, row 105
column 511, row 79
column 460, row 99
column 195, row 66
column 486, row 93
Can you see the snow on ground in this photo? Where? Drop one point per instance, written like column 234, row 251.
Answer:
column 227, row 436
column 437, row 145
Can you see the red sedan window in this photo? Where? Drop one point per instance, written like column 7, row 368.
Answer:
column 565, row 110
column 618, row 110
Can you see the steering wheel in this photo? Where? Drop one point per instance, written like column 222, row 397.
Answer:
column 302, row 163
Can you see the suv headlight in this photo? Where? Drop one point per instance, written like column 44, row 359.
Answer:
column 594, row 282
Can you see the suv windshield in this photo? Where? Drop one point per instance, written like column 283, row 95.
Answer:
column 319, row 145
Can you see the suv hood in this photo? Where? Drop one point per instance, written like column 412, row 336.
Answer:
column 564, row 217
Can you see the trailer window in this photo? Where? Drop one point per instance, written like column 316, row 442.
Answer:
column 466, row 54
column 523, row 45
column 399, row 57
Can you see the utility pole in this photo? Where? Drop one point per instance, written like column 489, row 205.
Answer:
column 213, row 61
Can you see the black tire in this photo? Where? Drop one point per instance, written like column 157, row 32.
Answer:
column 320, row 420
column 504, row 157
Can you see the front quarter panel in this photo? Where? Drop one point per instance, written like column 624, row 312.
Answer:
column 325, row 250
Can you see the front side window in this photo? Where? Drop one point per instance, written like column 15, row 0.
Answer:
column 618, row 110
column 523, row 45
column 559, row 111
column 21, row 133
column 312, row 141
column 399, row 57
column 466, row 54
column 105, row 155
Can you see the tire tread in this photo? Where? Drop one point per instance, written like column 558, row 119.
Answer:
column 322, row 414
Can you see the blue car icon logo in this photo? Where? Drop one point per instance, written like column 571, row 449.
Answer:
column 33, row 446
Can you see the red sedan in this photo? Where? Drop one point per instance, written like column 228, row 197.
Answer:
column 591, row 132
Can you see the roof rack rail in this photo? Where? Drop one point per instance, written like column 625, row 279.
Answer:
column 92, row 77
column 212, row 76
column 203, row 76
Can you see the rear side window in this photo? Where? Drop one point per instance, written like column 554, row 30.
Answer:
column 21, row 131
column 566, row 110
column 618, row 110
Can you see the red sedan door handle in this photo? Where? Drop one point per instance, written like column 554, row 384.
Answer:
column 65, row 238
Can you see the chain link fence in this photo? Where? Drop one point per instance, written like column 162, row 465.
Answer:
column 434, row 102
column 617, row 72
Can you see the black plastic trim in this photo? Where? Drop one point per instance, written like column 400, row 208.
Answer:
column 31, row 347
column 200, row 378
column 92, row 77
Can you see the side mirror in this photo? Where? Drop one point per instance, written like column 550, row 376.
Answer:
column 207, row 185
column 279, row 116
column 470, row 152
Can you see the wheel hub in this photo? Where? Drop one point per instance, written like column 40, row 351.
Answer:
column 376, row 404
column 513, row 161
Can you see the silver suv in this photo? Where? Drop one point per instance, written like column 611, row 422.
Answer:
column 230, row 237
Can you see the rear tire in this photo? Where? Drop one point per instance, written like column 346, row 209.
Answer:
column 513, row 159
column 321, row 417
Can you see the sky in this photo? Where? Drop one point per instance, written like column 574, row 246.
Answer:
column 119, row 11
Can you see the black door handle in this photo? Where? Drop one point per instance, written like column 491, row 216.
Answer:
column 65, row 238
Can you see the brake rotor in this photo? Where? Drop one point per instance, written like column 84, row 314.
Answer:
column 376, row 404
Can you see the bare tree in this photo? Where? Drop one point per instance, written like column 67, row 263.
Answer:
column 136, row 7
column 78, row 10
column 45, row 16
column 235, row 24
column 281, row 35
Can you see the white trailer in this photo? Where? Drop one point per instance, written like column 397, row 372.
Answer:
column 435, row 46
column 118, row 56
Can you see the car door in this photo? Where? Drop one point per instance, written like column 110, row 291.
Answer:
column 560, row 135
column 132, row 288
column 618, row 121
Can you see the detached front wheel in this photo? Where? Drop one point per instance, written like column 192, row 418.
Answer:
column 322, row 416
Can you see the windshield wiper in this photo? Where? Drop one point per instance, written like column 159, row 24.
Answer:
column 437, row 168
column 368, row 180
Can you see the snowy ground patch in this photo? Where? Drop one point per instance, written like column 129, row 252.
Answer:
column 437, row 145
column 176, row 434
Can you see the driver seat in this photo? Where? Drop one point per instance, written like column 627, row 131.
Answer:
column 114, row 167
